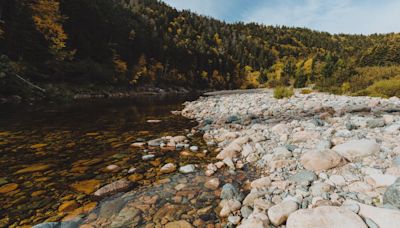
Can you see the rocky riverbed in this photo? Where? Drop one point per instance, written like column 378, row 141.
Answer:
column 324, row 160
column 315, row 160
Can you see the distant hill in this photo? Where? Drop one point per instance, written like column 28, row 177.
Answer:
column 146, row 42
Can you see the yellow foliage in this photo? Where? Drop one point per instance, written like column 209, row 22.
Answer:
column 217, row 39
column 306, row 91
column 308, row 66
column 345, row 87
column 283, row 92
column 385, row 88
column 47, row 19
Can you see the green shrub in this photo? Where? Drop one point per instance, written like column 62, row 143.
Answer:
column 306, row 91
column 385, row 88
column 283, row 92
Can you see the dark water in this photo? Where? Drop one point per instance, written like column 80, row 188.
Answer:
column 46, row 149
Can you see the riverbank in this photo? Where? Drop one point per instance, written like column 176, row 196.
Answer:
column 65, row 93
column 326, row 160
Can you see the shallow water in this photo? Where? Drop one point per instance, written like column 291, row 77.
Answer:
column 44, row 150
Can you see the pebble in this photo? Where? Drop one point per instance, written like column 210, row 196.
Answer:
column 187, row 169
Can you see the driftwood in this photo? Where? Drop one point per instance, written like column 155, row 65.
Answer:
column 30, row 84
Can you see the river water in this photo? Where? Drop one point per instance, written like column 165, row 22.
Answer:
column 45, row 149
column 53, row 157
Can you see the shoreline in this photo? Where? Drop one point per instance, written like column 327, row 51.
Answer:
column 316, row 150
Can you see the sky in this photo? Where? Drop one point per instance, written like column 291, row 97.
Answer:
column 334, row 16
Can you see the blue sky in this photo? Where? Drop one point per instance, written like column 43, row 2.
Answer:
column 335, row 16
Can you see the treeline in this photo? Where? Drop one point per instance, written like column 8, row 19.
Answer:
column 145, row 42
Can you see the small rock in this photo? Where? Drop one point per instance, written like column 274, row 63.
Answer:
column 280, row 212
column 8, row 188
column 320, row 160
column 212, row 183
column 303, row 176
column 234, row 219
column 148, row 157
column 263, row 182
column 68, row 206
column 153, row 121
column 356, row 149
column 178, row 224
column 113, row 187
column 113, row 168
column 229, row 192
column 168, row 168
column 194, row 148
column 374, row 123
column 187, row 169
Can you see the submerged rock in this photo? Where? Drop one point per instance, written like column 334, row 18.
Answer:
column 168, row 168
column 8, row 188
column 113, row 187
column 86, row 186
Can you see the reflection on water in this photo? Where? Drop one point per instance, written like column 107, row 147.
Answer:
column 52, row 154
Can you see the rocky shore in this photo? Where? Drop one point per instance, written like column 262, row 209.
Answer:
column 324, row 160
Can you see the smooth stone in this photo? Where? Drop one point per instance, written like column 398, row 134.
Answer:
column 229, row 192
column 245, row 211
column 138, row 144
column 111, row 207
column 155, row 142
column 375, row 123
column 325, row 217
column 320, row 160
column 385, row 218
column 354, row 207
column 234, row 219
column 278, row 214
column 337, row 180
column 230, row 151
column 303, row 176
column 318, row 189
column 148, row 157
column 168, row 168
column 229, row 206
column 112, row 168
column 33, row 168
column 355, row 149
column 68, row 206
column 116, row 186
column 262, row 182
column 194, row 148
column 127, row 217
column 135, row 177
column 86, row 186
column 178, row 224
column 380, row 180
column 253, row 223
column 8, row 188
column 187, row 169
column 154, row 121
column 212, row 183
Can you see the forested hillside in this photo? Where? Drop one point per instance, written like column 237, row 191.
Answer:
column 132, row 43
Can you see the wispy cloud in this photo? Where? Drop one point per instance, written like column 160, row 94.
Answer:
column 335, row 16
